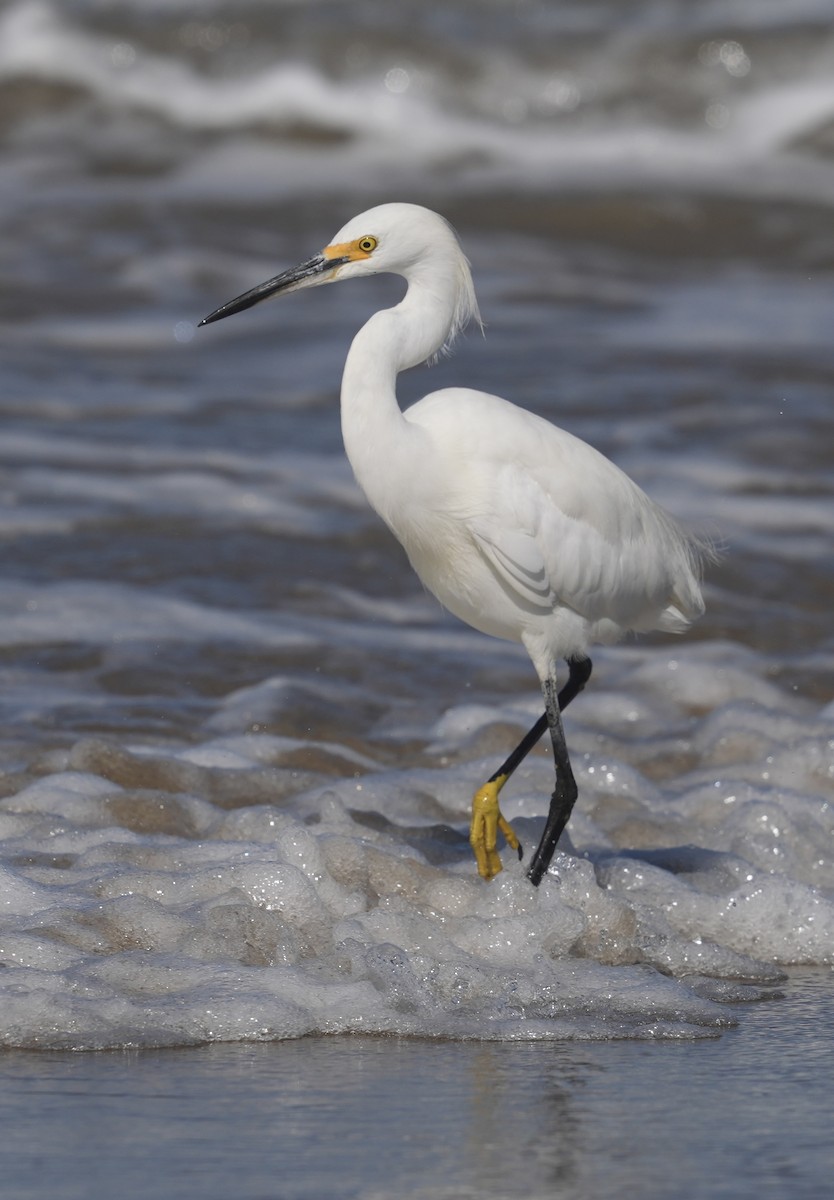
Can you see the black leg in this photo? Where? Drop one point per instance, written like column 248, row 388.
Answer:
column 580, row 673
column 565, row 792
column 486, row 814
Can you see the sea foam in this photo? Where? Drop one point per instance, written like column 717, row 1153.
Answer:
column 159, row 896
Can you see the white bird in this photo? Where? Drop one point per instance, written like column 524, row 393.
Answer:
column 517, row 527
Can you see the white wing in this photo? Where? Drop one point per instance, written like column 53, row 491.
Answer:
column 557, row 522
column 516, row 559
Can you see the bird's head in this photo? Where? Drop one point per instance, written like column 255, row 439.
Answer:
column 403, row 239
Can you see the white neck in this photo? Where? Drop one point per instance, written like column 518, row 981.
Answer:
column 381, row 445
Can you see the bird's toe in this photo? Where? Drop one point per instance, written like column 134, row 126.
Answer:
column 487, row 819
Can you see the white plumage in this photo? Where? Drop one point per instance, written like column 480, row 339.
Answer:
column 517, row 527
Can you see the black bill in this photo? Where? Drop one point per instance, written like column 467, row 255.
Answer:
column 303, row 275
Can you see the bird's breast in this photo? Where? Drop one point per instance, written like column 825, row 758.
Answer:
column 450, row 566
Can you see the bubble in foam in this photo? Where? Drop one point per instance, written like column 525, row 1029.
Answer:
column 159, row 897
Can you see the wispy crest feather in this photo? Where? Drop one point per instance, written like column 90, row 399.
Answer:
column 466, row 306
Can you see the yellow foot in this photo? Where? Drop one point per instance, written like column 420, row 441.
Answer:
column 483, row 832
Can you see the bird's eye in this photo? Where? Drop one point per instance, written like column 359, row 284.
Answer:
column 367, row 244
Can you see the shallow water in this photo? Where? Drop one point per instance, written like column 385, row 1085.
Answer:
column 238, row 741
column 746, row 1116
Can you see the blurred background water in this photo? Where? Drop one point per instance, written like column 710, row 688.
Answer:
column 226, row 701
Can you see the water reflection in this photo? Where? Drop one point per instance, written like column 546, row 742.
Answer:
column 371, row 1118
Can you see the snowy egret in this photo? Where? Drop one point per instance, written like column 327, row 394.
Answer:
column 517, row 527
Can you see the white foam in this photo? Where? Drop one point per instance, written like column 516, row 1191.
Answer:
column 19, row 896
column 155, row 917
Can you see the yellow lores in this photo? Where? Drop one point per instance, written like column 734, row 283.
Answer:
column 486, row 821
column 351, row 251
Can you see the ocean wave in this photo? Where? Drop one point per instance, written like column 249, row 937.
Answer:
column 508, row 117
